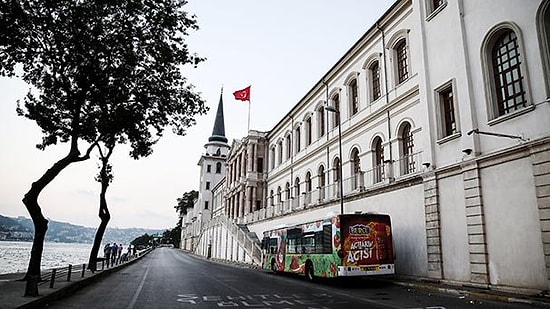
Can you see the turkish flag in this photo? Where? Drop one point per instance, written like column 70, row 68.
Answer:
column 242, row 95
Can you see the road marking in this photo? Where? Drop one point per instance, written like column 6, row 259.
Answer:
column 134, row 298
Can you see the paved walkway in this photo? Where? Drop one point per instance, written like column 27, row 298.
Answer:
column 12, row 289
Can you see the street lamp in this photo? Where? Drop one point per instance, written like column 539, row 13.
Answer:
column 334, row 110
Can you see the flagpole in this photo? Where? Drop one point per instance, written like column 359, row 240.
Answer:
column 248, row 117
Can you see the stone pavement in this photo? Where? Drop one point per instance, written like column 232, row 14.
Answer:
column 12, row 289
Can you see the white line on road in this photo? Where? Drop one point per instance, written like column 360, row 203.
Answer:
column 134, row 298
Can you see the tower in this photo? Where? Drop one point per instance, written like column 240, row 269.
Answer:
column 212, row 165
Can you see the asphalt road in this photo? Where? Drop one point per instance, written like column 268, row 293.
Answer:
column 171, row 278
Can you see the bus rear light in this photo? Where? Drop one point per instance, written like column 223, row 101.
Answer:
column 341, row 253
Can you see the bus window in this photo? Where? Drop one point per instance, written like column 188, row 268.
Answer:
column 273, row 245
column 308, row 243
column 327, row 239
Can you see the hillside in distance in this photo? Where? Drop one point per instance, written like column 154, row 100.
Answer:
column 22, row 229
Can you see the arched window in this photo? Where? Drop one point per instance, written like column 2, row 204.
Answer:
column 322, row 182
column 336, row 105
column 504, row 69
column 402, row 60
column 272, row 198
column 280, row 147
column 507, row 75
column 297, row 137
column 279, row 196
column 374, row 73
column 353, row 97
column 543, row 29
column 308, row 182
column 336, row 170
column 288, row 147
column 218, row 168
column 355, row 168
column 308, row 131
column 378, row 159
column 297, row 187
column 321, row 120
column 287, row 190
column 407, row 149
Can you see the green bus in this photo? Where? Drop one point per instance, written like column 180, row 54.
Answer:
column 338, row 246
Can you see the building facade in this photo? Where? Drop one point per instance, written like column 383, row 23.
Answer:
column 439, row 115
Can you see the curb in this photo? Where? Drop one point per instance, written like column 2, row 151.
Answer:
column 72, row 287
column 470, row 294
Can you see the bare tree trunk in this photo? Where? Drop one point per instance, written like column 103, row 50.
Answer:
column 105, row 177
column 105, row 217
column 40, row 223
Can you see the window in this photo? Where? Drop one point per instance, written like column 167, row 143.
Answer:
column 280, row 146
column 321, row 120
column 321, row 176
column 336, row 171
column 447, row 117
column 297, row 187
column 207, row 186
column 374, row 71
column 336, row 105
column 402, row 60
column 287, row 190
column 218, row 168
column 288, row 147
column 308, row 182
column 272, row 157
column 543, row 30
column 279, row 196
column 355, row 168
column 297, row 137
column 353, row 97
column 433, row 7
column 407, row 146
column 308, row 131
column 378, row 152
column 507, row 75
column 208, row 168
column 260, row 165
column 271, row 198
column 205, row 204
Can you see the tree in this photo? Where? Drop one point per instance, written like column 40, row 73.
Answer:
column 144, row 240
column 101, row 71
column 185, row 202
column 172, row 236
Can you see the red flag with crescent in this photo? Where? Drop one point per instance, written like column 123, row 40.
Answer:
column 242, row 95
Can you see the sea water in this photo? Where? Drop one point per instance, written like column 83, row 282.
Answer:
column 15, row 255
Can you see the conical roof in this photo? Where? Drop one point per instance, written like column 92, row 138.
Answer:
column 218, row 133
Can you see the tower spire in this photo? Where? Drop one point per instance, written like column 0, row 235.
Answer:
column 218, row 133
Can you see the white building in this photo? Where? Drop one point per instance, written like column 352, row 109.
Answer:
column 444, row 113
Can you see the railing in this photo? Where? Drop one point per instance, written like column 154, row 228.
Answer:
column 249, row 245
column 73, row 271
column 361, row 181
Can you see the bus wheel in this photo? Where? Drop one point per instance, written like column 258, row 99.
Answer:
column 273, row 267
column 309, row 271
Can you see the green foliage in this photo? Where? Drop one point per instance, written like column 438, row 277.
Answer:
column 108, row 71
column 186, row 201
column 143, row 240
column 172, row 236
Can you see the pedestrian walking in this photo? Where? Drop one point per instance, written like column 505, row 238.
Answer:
column 114, row 252
column 107, row 253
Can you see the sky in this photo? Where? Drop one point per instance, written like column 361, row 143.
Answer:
column 280, row 48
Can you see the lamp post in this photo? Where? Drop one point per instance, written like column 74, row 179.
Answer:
column 334, row 110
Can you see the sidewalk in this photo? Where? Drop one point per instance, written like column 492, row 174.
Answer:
column 12, row 288
column 435, row 286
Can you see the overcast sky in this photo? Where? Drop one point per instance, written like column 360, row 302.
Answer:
column 281, row 48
